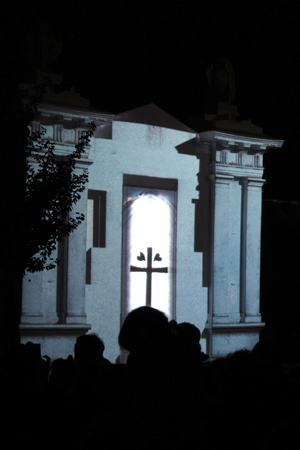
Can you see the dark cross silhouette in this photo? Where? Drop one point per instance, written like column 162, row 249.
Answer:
column 149, row 270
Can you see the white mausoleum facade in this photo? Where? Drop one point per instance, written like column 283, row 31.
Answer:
column 173, row 220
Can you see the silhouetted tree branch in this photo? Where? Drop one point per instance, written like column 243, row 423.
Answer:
column 52, row 188
column 39, row 189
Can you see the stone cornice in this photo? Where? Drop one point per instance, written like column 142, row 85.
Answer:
column 237, row 143
column 63, row 115
column 65, row 125
column 238, row 155
column 242, row 327
column 237, row 171
column 55, row 329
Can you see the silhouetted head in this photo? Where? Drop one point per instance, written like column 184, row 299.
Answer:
column 145, row 329
column 61, row 372
column 88, row 349
column 186, row 342
column 190, row 333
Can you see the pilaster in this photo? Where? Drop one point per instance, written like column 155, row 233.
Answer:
column 253, row 251
column 234, row 319
column 39, row 297
column 226, row 250
column 53, row 305
column 75, row 302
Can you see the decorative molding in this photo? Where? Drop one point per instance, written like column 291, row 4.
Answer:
column 228, row 328
column 65, row 125
column 57, row 133
column 231, row 151
column 55, row 329
column 234, row 141
column 59, row 114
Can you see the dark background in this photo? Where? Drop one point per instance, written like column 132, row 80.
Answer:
column 123, row 54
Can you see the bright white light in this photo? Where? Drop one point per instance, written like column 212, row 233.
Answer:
column 150, row 223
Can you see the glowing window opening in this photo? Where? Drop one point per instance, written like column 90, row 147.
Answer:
column 149, row 228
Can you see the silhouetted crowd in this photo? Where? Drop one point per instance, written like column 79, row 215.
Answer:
column 168, row 395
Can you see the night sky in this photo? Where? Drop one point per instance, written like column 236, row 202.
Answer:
column 123, row 54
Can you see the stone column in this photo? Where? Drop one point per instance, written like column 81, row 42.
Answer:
column 32, row 306
column 76, row 267
column 252, row 250
column 244, row 184
column 226, row 250
column 39, row 297
column 49, row 289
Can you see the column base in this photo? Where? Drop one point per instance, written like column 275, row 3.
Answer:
column 230, row 318
column 223, row 339
column 76, row 319
column 32, row 318
column 56, row 341
column 252, row 318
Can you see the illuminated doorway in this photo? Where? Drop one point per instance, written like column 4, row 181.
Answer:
column 149, row 243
